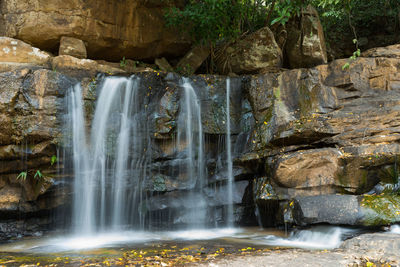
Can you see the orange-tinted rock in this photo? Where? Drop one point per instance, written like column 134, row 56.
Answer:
column 16, row 51
column 111, row 29
column 255, row 53
column 72, row 47
column 305, row 44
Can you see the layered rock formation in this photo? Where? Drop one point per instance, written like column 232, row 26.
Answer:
column 256, row 52
column 329, row 131
column 300, row 138
column 111, row 29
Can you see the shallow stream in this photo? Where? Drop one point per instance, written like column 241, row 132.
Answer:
column 172, row 247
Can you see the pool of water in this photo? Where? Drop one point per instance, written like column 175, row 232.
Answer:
column 319, row 237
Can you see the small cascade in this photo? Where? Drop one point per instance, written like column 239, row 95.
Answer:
column 190, row 140
column 395, row 229
column 116, row 168
column 229, row 155
column 83, row 210
column 103, row 161
column 320, row 237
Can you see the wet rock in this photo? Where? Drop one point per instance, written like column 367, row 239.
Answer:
column 80, row 68
column 333, row 209
column 308, row 169
column 31, row 108
column 193, row 60
column 392, row 51
column 305, row 44
column 188, row 200
column 163, row 64
column 142, row 33
column 253, row 54
column 367, row 210
column 72, row 47
column 367, row 244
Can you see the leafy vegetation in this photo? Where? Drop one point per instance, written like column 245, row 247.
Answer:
column 37, row 175
column 209, row 21
column 213, row 21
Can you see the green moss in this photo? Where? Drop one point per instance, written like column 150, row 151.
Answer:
column 159, row 183
column 381, row 209
column 306, row 101
column 277, row 93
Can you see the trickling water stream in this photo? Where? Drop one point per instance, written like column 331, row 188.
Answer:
column 190, row 138
column 229, row 154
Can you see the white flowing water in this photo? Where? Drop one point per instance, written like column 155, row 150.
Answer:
column 395, row 229
column 229, row 155
column 83, row 212
column 190, row 138
column 96, row 165
column 315, row 238
column 111, row 160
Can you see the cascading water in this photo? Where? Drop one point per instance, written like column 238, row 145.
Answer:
column 190, row 137
column 98, row 162
column 111, row 164
column 229, row 155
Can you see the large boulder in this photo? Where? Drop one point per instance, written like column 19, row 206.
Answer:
column 325, row 130
column 72, row 47
column 388, row 245
column 111, row 29
column 16, row 54
column 367, row 210
column 193, row 60
column 76, row 67
column 305, row 44
column 255, row 53
column 308, row 169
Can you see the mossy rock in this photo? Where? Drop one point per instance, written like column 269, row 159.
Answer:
column 381, row 209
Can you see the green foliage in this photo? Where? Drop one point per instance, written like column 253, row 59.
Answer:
column 22, row 176
column 357, row 17
column 53, row 160
column 209, row 21
column 38, row 175
column 355, row 55
column 284, row 10
column 122, row 63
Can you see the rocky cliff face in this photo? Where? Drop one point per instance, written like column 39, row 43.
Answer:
column 111, row 29
column 300, row 137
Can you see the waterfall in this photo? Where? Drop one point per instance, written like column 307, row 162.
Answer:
column 114, row 167
column 98, row 162
column 83, row 211
column 190, row 136
column 229, row 155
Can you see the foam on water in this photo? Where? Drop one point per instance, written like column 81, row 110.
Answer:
column 112, row 239
column 395, row 229
column 315, row 238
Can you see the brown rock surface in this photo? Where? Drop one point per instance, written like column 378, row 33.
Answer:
column 254, row 53
column 72, row 47
column 356, row 111
column 82, row 67
column 31, row 104
column 111, row 29
column 308, row 169
column 193, row 59
column 16, row 51
column 305, row 44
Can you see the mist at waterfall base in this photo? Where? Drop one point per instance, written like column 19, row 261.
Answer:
column 112, row 162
